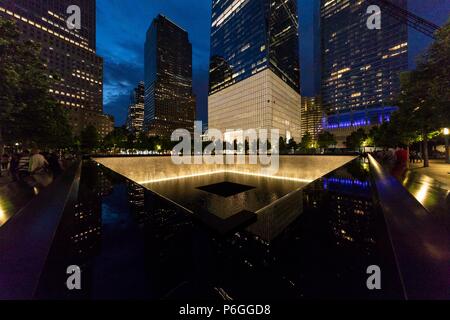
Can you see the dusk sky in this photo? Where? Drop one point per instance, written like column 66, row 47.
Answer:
column 122, row 25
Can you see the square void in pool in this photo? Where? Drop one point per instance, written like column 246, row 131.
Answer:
column 224, row 194
column 226, row 189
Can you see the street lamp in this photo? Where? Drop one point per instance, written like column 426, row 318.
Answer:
column 447, row 149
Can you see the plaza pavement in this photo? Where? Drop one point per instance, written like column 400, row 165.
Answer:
column 438, row 170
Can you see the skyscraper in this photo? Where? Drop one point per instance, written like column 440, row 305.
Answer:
column 312, row 113
column 135, row 119
column 169, row 101
column 254, row 69
column 360, row 66
column 69, row 54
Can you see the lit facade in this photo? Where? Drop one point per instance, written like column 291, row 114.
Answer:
column 360, row 67
column 312, row 114
column 254, row 69
column 70, row 55
column 102, row 122
column 135, row 119
column 169, row 100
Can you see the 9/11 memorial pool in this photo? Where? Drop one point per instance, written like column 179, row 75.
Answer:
column 155, row 241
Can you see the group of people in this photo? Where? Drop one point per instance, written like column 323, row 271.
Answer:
column 33, row 168
column 415, row 156
column 396, row 159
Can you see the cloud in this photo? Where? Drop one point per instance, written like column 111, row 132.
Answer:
column 120, row 77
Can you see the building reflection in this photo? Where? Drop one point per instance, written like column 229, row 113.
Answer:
column 86, row 226
column 352, row 207
column 321, row 251
column 136, row 201
column 79, row 237
column 327, row 245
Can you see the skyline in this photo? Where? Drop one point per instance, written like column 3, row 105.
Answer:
column 120, row 41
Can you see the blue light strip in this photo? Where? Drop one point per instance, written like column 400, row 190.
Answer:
column 358, row 118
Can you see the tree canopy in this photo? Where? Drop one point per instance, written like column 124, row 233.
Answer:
column 28, row 112
column 356, row 139
column 326, row 139
column 424, row 99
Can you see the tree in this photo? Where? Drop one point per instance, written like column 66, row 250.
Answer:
column 89, row 139
column 292, row 144
column 326, row 139
column 356, row 139
column 282, row 146
column 307, row 142
column 424, row 100
column 118, row 138
column 436, row 62
column 28, row 113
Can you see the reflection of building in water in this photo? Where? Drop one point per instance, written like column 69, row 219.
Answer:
column 275, row 218
column 86, row 225
column 136, row 200
column 349, row 199
column 86, row 228
column 78, row 238
column 104, row 185
column 168, row 233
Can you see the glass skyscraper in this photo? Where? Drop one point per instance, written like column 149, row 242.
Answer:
column 169, row 101
column 135, row 119
column 254, row 66
column 360, row 66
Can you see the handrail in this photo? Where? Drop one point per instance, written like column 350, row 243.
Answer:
column 26, row 239
column 421, row 246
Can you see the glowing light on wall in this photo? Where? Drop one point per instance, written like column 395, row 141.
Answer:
column 3, row 217
column 346, row 182
column 371, row 116
column 180, row 177
column 226, row 171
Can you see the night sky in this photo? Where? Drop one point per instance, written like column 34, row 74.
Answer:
column 122, row 25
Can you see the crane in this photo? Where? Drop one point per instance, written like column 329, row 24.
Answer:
column 424, row 26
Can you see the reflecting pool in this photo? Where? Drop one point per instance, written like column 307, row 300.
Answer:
column 144, row 242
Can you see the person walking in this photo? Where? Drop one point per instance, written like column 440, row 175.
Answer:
column 419, row 157
column 38, row 163
column 38, row 169
column 4, row 163
column 14, row 167
column 55, row 164
column 413, row 157
column 401, row 156
column 23, row 168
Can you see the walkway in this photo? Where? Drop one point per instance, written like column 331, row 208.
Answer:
column 419, row 234
column 431, row 187
column 438, row 170
column 14, row 196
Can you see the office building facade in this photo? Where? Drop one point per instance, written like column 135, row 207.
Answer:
column 254, row 66
column 169, row 100
column 312, row 114
column 69, row 54
column 135, row 119
column 360, row 66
